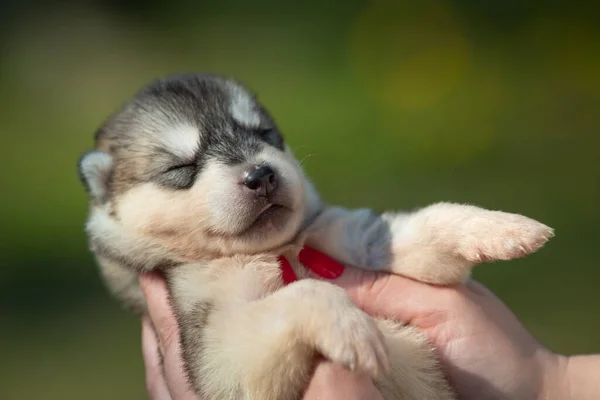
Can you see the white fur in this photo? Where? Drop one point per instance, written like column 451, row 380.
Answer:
column 103, row 229
column 95, row 167
column 242, row 107
column 181, row 140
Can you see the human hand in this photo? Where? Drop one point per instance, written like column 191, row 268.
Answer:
column 483, row 348
column 165, row 376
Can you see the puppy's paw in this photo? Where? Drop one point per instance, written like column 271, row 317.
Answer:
column 352, row 339
column 494, row 235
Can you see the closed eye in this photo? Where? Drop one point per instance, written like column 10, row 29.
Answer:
column 180, row 166
column 264, row 131
column 179, row 176
column 271, row 136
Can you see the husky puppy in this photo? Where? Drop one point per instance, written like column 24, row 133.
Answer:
column 192, row 177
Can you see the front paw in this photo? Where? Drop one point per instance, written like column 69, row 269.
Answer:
column 351, row 338
column 494, row 235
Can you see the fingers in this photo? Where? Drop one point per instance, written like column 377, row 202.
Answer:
column 155, row 291
column 332, row 382
column 166, row 338
column 382, row 294
column 155, row 382
column 396, row 297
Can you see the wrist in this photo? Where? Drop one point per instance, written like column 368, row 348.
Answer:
column 555, row 379
column 571, row 377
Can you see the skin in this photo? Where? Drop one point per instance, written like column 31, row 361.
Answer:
column 484, row 349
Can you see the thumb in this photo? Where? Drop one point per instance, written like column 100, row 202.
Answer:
column 164, row 320
column 155, row 291
column 398, row 298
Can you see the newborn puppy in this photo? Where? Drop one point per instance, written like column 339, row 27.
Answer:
column 193, row 178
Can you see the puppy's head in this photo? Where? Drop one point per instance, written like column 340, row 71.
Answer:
column 193, row 167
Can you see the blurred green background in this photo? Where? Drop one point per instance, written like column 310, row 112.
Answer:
column 490, row 103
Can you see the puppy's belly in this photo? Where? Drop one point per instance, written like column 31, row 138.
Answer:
column 414, row 370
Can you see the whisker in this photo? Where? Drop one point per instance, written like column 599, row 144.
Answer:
column 304, row 158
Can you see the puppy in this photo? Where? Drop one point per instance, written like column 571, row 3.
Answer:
column 193, row 178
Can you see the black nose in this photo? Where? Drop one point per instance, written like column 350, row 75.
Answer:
column 261, row 179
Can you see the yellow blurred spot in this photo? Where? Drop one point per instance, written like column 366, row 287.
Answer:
column 412, row 59
column 409, row 56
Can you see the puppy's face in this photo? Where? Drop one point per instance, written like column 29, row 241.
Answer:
column 195, row 165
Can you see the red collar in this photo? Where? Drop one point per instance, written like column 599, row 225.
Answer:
column 319, row 263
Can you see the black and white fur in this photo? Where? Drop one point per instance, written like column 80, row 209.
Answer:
column 168, row 182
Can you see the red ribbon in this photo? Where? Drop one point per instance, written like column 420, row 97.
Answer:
column 319, row 263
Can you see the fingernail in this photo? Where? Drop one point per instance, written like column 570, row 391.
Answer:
column 320, row 263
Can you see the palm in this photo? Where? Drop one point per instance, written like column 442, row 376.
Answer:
column 478, row 338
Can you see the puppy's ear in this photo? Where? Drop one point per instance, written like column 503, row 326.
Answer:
column 95, row 168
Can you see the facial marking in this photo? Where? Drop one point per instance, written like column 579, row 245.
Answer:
column 242, row 107
column 181, row 140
